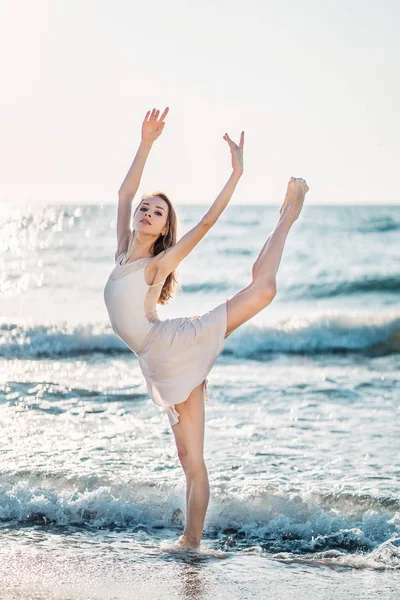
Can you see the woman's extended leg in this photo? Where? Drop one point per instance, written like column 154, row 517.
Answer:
column 262, row 289
column 189, row 438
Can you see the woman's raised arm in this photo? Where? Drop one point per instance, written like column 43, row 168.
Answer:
column 152, row 128
column 169, row 259
column 225, row 195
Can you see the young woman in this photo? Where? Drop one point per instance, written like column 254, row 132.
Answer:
column 176, row 355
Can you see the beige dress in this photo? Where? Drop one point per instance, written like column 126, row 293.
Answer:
column 175, row 355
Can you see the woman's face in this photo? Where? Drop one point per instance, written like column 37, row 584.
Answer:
column 152, row 216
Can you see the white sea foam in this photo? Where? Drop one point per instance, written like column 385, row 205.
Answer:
column 306, row 335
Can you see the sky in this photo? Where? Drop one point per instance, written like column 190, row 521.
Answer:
column 314, row 84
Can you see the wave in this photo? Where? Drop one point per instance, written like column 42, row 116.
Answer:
column 235, row 251
column 290, row 525
column 51, row 396
column 376, row 336
column 56, row 340
column 206, row 287
column 365, row 285
column 380, row 224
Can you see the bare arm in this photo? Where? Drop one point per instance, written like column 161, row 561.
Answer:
column 126, row 194
column 169, row 259
column 152, row 128
column 222, row 200
column 131, row 183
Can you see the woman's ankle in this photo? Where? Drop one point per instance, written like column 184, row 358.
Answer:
column 190, row 540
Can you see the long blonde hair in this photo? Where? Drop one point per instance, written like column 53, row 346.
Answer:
column 163, row 242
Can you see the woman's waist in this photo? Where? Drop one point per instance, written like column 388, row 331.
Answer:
column 151, row 336
column 135, row 335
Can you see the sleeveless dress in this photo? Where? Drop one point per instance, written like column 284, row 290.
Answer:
column 175, row 355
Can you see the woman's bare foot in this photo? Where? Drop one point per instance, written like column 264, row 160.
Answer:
column 184, row 545
column 293, row 202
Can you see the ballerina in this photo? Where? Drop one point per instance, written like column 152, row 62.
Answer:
column 175, row 355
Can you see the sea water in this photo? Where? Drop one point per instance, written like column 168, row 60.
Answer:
column 302, row 428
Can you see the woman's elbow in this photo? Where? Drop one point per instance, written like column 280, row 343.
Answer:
column 207, row 222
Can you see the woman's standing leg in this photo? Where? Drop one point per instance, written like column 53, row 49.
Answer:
column 189, row 438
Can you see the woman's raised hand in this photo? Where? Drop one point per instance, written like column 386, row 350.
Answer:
column 152, row 125
column 236, row 152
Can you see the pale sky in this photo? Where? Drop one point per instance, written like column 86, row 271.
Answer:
column 314, row 85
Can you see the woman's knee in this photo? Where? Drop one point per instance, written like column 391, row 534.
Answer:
column 193, row 465
column 191, row 459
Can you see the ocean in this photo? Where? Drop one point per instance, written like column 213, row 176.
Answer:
column 302, row 428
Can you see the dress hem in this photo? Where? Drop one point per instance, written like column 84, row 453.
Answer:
column 171, row 411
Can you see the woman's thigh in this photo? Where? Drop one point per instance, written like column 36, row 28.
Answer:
column 189, row 432
column 248, row 302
